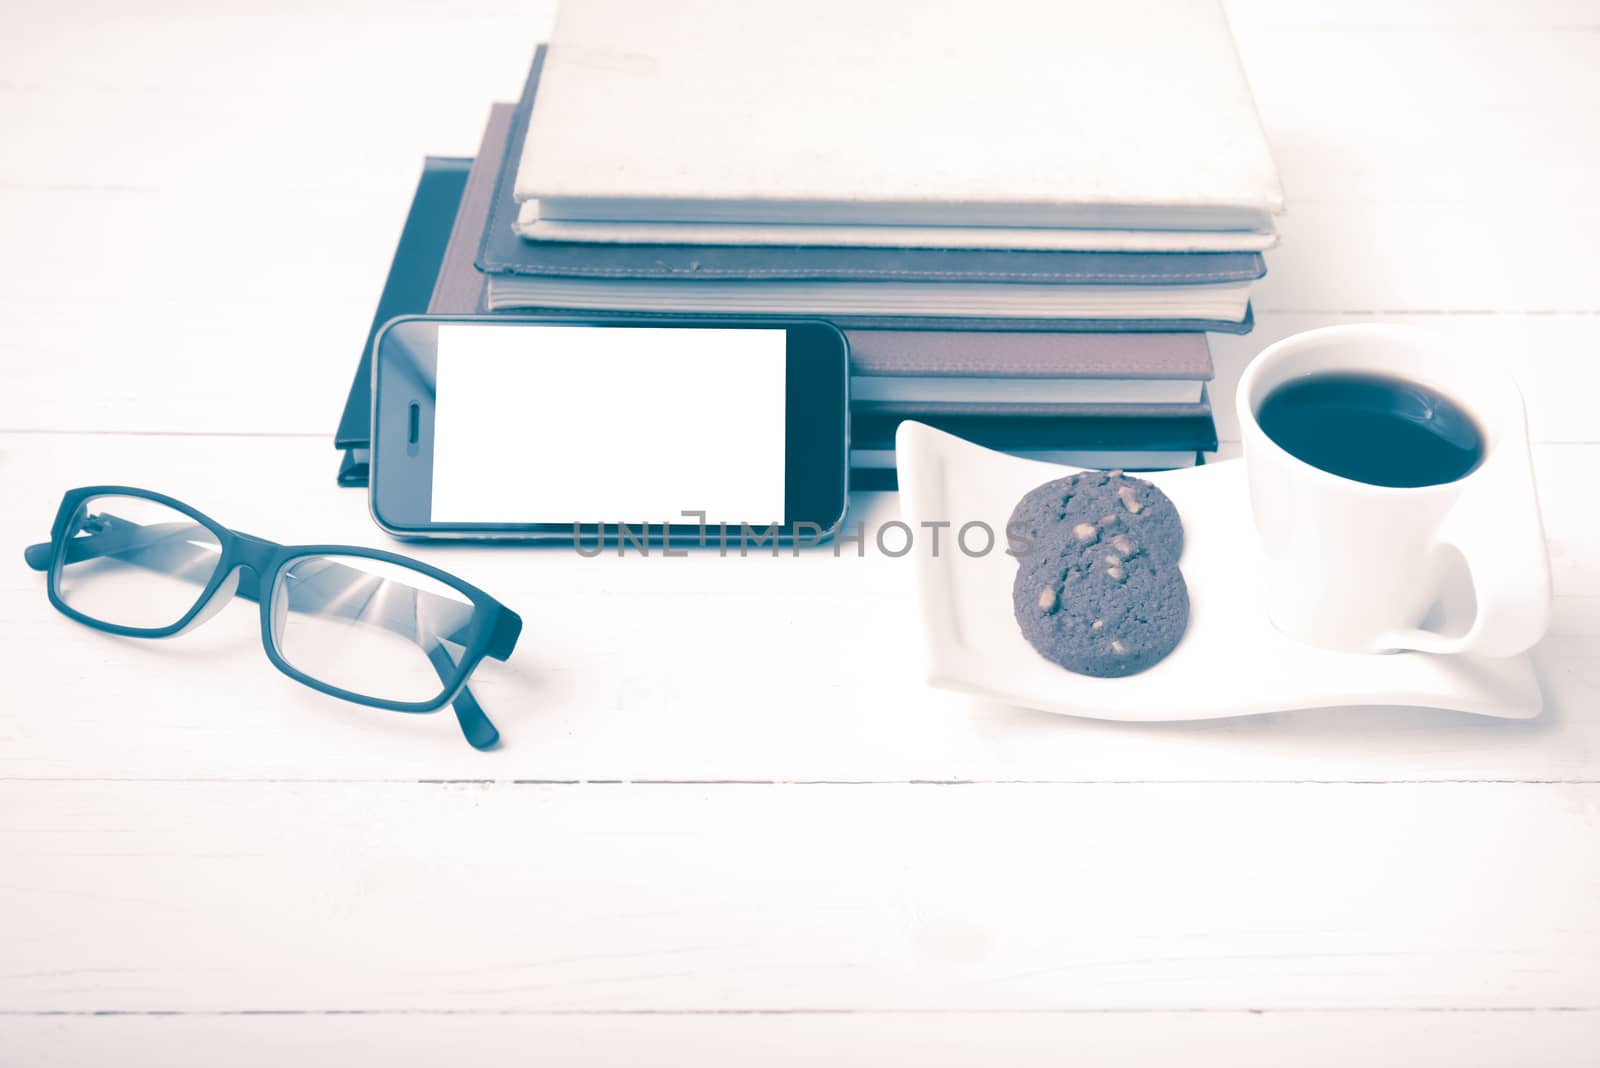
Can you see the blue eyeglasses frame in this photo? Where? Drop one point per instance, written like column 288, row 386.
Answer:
column 492, row 630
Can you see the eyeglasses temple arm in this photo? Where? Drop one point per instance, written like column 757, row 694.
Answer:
column 119, row 537
column 475, row 725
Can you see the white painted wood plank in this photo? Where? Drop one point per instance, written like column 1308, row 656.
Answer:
column 1332, row 14
column 129, row 100
column 1421, row 123
column 1472, row 255
column 203, row 897
column 932, row 1040
column 147, row 340
column 1416, row 182
column 651, row 668
column 1484, row 15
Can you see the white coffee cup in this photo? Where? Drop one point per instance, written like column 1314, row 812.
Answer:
column 1365, row 568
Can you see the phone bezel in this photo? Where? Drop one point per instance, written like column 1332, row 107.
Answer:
column 817, row 446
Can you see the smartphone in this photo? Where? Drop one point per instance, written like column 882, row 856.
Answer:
column 557, row 429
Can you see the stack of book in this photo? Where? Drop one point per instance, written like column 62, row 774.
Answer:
column 1024, row 214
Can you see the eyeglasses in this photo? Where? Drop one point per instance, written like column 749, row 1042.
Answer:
column 371, row 627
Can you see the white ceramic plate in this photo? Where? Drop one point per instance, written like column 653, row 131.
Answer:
column 1231, row 661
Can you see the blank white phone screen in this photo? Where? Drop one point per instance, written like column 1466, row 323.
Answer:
column 570, row 424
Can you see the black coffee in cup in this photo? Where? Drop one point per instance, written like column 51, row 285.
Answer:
column 1374, row 429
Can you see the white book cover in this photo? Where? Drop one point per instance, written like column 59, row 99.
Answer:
column 1133, row 114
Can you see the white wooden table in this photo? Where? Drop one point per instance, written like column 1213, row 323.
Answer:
column 728, row 823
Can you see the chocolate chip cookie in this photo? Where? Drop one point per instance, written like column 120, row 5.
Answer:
column 1098, row 589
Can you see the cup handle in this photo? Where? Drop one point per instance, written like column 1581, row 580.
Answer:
column 1496, row 528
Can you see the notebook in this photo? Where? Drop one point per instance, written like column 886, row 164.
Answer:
column 991, row 399
column 873, row 478
column 930, row 370
column 531, row 226
column 412, row 276
column 504, row 253
column 531, row 276
column 459, row 289
column 1001, row 113
column 867, row 462
column 1129, row 444
column 922, row 393
column 856, row 300
column 1196, row 433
